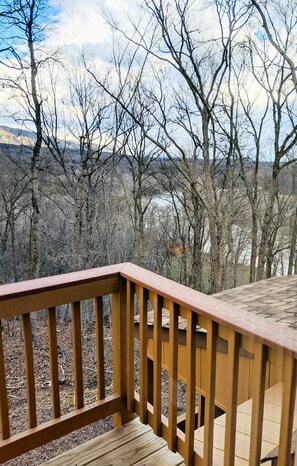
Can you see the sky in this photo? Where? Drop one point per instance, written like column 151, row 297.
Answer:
column 78, row 24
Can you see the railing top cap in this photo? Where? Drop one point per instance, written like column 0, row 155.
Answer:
column 39, row 285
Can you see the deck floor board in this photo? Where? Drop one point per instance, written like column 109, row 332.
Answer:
column 132, row 444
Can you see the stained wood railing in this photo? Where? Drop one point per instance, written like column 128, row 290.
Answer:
column 134, row 290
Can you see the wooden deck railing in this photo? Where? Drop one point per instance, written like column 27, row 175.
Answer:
column 133, row 289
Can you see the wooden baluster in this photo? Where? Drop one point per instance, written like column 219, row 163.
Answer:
column 288, row 408
column 258, row 388
column 191, row 385
column 4, row 417
column 100, row 348
column 77, row 356
column 29, row 370
column 143, row 299
column 157, row 389
column 210, row 377
column 232, row 384
column 54, row 367
column 173, row 360
column 130, row 346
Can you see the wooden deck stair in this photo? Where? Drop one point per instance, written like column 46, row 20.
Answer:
column 131, row 444
column 271, row 429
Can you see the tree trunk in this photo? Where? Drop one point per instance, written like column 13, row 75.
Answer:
column 34, row 270
column 35, row 218
column 254, row 247
column 292, row 256
column 267, row 223
column 197, row 281
column 216, row 275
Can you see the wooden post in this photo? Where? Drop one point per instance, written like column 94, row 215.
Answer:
column 119, row 351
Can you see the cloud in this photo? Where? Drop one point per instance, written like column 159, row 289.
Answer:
column 79, row 23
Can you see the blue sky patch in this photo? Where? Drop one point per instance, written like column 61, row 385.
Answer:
column 261, row 35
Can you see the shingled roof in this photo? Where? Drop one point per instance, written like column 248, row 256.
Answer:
column 275, row 298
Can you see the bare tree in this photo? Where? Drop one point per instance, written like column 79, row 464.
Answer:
column 86, row 165
column 268, row 11
column 183, row 119
column 272, row 76
column 22, row 33
column 14, row 201
column 136, row 171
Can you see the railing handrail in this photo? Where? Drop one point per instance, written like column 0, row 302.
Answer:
column 43, row 293
column 55, row 282
column 268, row 331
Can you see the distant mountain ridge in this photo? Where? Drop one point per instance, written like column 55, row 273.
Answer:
column 18, row 131
column 16, row 136
column 23, row 137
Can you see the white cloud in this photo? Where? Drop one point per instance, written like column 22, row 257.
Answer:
column 79, row 22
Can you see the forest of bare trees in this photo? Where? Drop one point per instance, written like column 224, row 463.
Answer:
column 178, row 154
